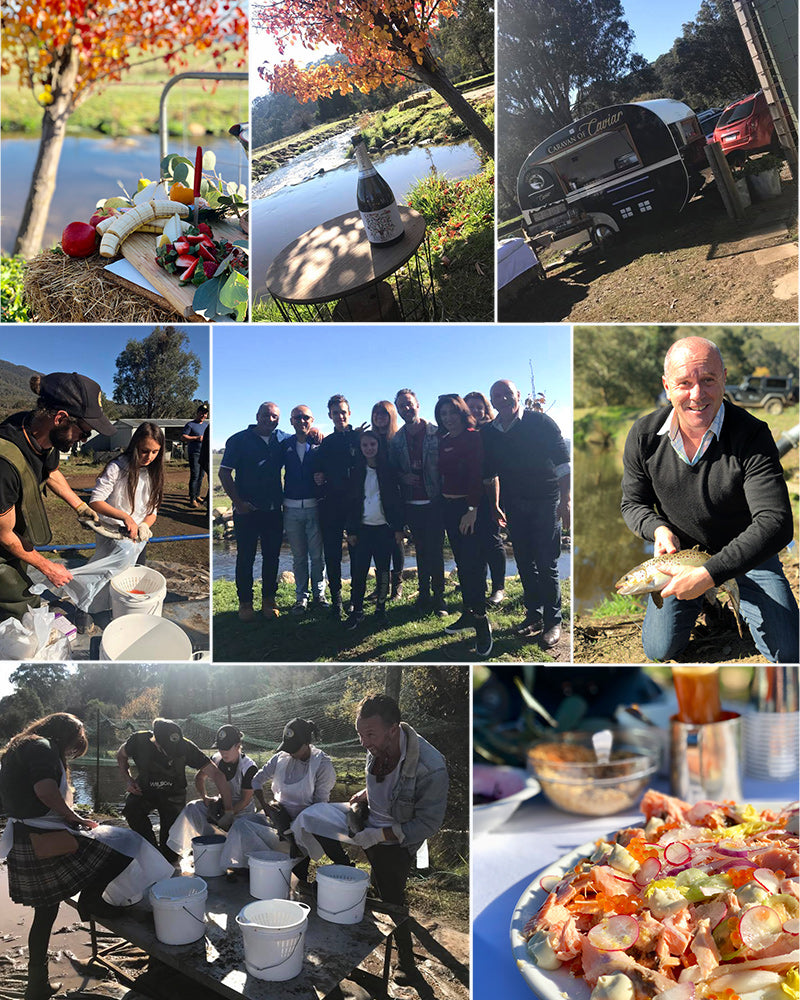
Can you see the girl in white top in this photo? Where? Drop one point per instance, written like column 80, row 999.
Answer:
column 129, row 490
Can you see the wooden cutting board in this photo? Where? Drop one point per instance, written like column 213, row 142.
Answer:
column 140, row 250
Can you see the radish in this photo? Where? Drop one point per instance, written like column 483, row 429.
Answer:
column 549, row 882
column 648, row 870
column 677, row 853
column 615, row 934
column 759, row 927
column 767, row 879
column 716, row 912
column 792, row 926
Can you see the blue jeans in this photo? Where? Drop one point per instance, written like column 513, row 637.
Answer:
column 767, row 605
column 266, row 527
column 195, row 475
column 303, row 533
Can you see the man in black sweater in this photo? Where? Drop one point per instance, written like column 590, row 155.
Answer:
column 708, row 474
column 525, row 451
column 333, row 463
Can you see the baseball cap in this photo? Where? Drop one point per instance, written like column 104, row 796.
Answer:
column 296, row 734
column 79, row 395
column 227, row 737
column 168, row 735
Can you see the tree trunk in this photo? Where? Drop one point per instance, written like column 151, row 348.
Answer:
column 436, row 80
column 43, row 182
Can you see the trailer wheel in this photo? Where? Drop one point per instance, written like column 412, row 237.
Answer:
column 602, row 235
column 773, row 407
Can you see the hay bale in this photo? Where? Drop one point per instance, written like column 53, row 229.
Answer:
column 68, row 290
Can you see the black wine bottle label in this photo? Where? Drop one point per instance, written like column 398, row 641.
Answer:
column 379, row 212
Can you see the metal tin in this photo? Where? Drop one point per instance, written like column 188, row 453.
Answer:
column 705, row 760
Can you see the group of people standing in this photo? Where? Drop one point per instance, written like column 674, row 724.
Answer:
column 53, row 852
column 483, row 463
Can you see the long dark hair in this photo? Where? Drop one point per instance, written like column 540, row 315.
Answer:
column 382, row 457
column 487, row 406
column 64, row 731
column 155, row 470
column 458, row 404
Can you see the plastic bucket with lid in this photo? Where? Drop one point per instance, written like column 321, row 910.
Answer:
column 137, row 590
column 207, row 853
column 145, row 638
column 274, row 931
column 179, row 909
column 270, row 874
column 341, row 893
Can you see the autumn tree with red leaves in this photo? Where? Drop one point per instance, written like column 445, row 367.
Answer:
column 381, row 39
column 69, row 50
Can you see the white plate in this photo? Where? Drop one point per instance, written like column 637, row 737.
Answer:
column 558, row 984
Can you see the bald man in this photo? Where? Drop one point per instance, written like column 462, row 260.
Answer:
column 250, row 473
column 708, row 474
column 525, row 453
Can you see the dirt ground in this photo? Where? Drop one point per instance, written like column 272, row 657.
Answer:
column 617, row 639
column 699, row 266
column 442, row 955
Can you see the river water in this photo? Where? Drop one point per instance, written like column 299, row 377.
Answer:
column 297, row 197
column 605, row 548
column 90, row 169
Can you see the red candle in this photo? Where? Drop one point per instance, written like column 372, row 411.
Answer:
column 198, row 171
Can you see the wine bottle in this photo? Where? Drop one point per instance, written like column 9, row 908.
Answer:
column 379, row 211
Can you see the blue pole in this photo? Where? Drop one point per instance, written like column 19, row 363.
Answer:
column 91, row 545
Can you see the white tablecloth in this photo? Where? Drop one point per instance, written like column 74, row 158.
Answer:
column 505, row 860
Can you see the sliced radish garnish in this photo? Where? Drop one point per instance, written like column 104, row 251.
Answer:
column 767, row 879
column 549, row 882
column 759, row 927
column 792, row 926
column 615, row 934
column 677, row 853
column 683, row 991
column 716, row 912
column 648, row 870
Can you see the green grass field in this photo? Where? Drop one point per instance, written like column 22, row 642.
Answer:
column 403, row 636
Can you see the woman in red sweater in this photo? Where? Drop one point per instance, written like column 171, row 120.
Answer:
column 461, row 470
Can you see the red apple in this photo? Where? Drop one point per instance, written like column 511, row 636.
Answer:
column 98, row 217
column 79, row 239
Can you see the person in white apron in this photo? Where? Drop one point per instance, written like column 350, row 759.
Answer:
column 301, row 775
column 200, row 816
column 406, row 795
column 52, row 853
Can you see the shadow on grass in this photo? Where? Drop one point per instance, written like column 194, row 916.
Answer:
column 403, row 636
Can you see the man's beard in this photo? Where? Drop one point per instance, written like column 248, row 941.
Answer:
column 61, row 438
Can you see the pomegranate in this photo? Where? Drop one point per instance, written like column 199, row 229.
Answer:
column 79, row 239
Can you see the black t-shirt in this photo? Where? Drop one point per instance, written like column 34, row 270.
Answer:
column 157, row 772
column 229, row 770
column 20, row 769
column 41, row 462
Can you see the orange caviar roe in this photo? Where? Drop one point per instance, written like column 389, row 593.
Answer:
column 739, row 876
column 639, row 849
column 610, row 904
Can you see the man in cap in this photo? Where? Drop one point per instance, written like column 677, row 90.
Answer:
column 161, row 756
column 68, row 409
column 192, row 436
column 196, row 819
column 525, row 452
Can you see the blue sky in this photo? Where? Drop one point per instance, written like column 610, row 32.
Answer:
column 657, row 25
column 306, row 364
column 90, row 350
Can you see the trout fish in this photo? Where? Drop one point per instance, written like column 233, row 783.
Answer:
column 649, row 578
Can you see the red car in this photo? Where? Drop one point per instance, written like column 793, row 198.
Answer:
column 745, row 126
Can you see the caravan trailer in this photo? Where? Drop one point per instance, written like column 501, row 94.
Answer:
column 598, row 175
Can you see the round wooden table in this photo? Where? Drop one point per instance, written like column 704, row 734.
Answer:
column 333, row 272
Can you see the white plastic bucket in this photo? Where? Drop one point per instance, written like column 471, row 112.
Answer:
column 150, row 601
column 270, row 874
column 341, row 893
column 207, row 853
column 144, row 638
column 179, row 909
column 274, row 932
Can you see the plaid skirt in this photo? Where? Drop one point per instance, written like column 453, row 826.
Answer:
column 36, row 881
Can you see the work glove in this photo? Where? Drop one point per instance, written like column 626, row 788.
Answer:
column 225, row 822
column 369, row 837
column 144, row 533
column 85, row 513
column 215, row 809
